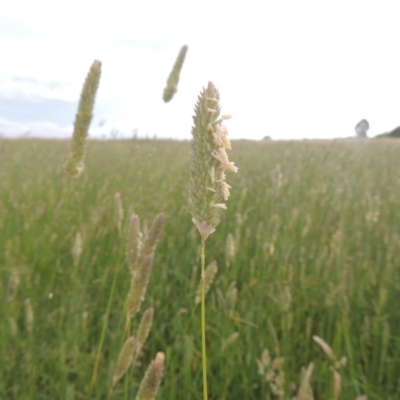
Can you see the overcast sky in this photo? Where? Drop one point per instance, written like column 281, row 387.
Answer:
column 285, row 69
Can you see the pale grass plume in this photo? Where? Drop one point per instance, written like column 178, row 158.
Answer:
column 272, row 371
column 208, row 162
column 305, row 391
column 75, row 163
column 12, row 286
column 325, row 347
column 138, row 288
column 133, row 243
column 277, row 177
column 209, row 276
column 173, row 78
column 143, row 330
column 13, row 326
column 229, row 340
column 139, row 255
column 77, row 248
column 125, row 359
column 151, row 239
column 29, row 316
column 230, row 249
column 152, row 379
column 335, row 367
column 231, row 296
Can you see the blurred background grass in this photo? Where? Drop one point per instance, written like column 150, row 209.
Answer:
column 310, row 239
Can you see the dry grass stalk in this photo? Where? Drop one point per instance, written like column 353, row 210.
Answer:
column 28, row 315
column 337, row 385
column 77, row 248
column 151, row 382
column 125, row 359
column 229, row 340
column 209, row 276
column 119, row 211
column 75, row 163
column 173, row 79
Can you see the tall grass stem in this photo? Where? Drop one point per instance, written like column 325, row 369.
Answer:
column 203, row 319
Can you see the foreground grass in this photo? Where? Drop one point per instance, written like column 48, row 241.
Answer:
column 313, row 249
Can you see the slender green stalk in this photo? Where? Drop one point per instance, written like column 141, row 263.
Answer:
column 203, row 320
column 102, row 337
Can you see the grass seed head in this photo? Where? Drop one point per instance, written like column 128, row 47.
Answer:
column 325, row 347
column 229, row 340
column 151, row 381
column 138, row 288
column 75, row 163
column 208, row 163
column 305, row 391
column 133, row 243
column 144, row 329
column 124, row 360
column 151, row 239
column 173, row 79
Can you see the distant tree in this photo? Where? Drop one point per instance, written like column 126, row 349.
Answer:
column 395, row 133
column 361, row 128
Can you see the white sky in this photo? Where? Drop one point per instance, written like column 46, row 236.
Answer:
column 286, row 69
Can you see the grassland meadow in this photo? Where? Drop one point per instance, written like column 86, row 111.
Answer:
column 301, row 277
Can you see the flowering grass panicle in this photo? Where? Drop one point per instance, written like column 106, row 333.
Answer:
column 144, row 330
column 74, row 165
column 149, row 386
column 208, row 190
column 125, row 358
column 138, row 288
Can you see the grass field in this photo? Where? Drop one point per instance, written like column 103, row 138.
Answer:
column 311, row 241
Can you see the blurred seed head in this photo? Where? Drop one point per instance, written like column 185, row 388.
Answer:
column 152, row 379
column 77, row 248
column 75, row 163
column 124, row 360
column 173, row 78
